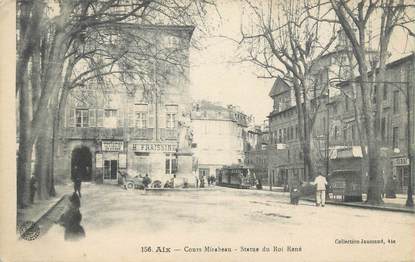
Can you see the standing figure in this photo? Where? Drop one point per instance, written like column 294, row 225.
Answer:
column 146, row 181
column 71, row 220
column 33, row 188
column 123, row 179
column 320, row 182
column 77, row 180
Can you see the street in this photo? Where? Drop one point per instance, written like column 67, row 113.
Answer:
column 245, row 221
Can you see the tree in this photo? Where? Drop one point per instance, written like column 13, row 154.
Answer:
column 354, row 18
column 48, row 39
column 285, row 39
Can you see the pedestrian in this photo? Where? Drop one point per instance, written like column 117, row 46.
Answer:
column 196, row 179
column 33, row 188
column 258, row 184
column 77, row 180
column 391, row 185
column 320, row 182
column 71, row 220
column 382, row 186
column 123, row 179
column 295, row 193
column 146, row 181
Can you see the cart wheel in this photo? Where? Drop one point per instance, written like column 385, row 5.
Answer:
column 130, row 185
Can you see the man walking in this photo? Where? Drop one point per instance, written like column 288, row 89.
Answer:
column 320, row 182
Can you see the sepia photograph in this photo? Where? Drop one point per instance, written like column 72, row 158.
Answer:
column 207, row 130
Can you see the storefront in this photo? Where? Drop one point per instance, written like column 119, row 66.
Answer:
column 156, row 159
column 401, row 172
column 346, row 178
column 110, row 159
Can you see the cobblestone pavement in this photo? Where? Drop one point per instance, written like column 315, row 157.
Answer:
column 119, row 224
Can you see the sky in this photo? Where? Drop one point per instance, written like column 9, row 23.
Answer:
column 216, row 75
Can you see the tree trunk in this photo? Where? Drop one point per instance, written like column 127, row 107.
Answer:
column 24, row 156
column 42, row 167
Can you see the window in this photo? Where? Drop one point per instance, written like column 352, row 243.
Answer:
column 346, row 103
column 354, row 132
column 100, row 117
column 171, row 120
column 335, row 132
column 291, row 132
column 296, row 131
column 395, row 101
column 344, row 134
column 375, row 94
column 171, row 164
column 140, row 119
column 92, row 118
column 284, row 135
column 395, row 137
column 110, row 118
column 335, row 108
column 383, row 129
column 385, row 92
column 82, row 118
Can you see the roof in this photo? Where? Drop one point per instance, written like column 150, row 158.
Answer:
column 280, row 86
column 388, row 66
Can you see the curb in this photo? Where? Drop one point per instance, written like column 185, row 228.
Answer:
column 382, row 208
column 51, row 208
column 45, row 214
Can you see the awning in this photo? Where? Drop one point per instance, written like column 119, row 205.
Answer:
column 342, row 152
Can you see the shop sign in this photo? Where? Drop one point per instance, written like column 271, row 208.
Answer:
column 122, row 160
column 153, row 147
column 112, row 146
column 402, row 161
column 98, row 160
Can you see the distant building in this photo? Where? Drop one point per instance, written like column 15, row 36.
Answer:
column 218, row 136
column 107, row 129
column 256, row 151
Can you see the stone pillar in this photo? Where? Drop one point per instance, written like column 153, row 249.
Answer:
column 184, row 175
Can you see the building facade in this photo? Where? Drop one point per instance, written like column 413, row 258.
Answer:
column 109, row 129
column 219, row 133
column 337, row 142
column 256, row 151
column 393, row 122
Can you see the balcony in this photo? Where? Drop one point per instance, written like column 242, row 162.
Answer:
column 169, row 134
column 93, row 133
column 141, row 133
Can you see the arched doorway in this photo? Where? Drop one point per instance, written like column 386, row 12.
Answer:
column 82, row 161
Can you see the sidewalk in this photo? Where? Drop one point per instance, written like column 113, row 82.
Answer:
column 390, row 204
column 40, row 207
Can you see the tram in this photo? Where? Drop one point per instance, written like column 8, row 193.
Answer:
column 235, row 176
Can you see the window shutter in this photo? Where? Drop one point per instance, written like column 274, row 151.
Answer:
column 120, row 118
column 92, row 118
column 131, row 117
column 100, row 117
column 71, row 122
column 162, row 118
